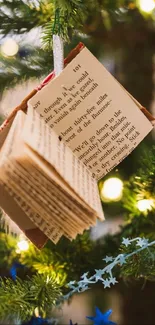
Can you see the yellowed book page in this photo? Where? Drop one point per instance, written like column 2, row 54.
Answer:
column 34, row 213
column 92, row 112
column 5, row 154
column 49, row 207
column 44, row 200
column 44, row 175
column 45, row 142
column 4, row 132
column 15, row 206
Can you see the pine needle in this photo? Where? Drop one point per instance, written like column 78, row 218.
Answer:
column 23, row 297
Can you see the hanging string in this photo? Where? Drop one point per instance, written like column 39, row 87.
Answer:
column 58, row 46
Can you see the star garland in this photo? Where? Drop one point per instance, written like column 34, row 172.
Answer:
column 105, row 275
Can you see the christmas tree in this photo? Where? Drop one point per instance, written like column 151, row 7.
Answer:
column 121, row 34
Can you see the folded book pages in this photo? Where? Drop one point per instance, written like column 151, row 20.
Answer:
column 63, row 138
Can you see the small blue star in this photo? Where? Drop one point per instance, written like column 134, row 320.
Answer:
column 101, row 319
column 106, row 283
column 84, row 276
column 108, row 259
column 71, row 284
column 98, row 275
column 85, row 280
column 142, row 242
column 126, row 242
column 113, row 280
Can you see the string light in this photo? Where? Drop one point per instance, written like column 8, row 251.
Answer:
column 9, row 47
column 145, row 205
column 112, row 189
column 22, row 245
column 147, row 5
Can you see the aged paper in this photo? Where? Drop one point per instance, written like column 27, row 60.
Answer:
column 45, row 142
column 35, row 214
column 15, row 206
column 8, row 171
column 91, row 111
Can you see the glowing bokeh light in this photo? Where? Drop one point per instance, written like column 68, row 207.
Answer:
column 147, row 5
column 9, row 47
column 145, row 205
column 112, row 189
column 23, row 245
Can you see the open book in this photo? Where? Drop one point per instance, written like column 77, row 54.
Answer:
column 77, row 128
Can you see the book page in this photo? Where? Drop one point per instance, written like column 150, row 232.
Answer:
column 92, row 113
column 45, row 142
column 14, row 189
column 16, row 211
column 50, row 201
column 34, row 214
column 4, row 130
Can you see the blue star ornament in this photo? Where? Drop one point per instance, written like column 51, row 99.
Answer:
column 101, row 319
column 108, row 259
column 126, row 242
column 71, row 284
column 142, row 242
column 98, row 275
column 106, row 283
column 113, row 280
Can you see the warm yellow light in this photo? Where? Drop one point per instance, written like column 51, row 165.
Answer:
column 144, row 205
column 147, row 5
column 112, row 189
column 9, row 47
column 23, row 245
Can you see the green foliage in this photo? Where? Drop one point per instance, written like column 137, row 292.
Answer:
column 54, row 266
column 67, row 261
column 7, row 251
column 44, row 261
column 19, row 299
column 19, row 16
column 140, row 265
column 16, row 70
column 71, row 16
column 141, row 186
column 64, row 261
column 31, row 67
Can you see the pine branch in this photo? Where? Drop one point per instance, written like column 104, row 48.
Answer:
column 19, row 16
column 36, row 65
column 139, row 266
column 72, row 17
column 141, row 186
column 7, row 251
column 22, row 297
column 63, row 261
column 16, row 70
